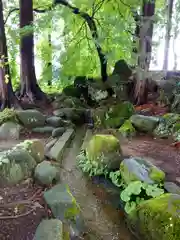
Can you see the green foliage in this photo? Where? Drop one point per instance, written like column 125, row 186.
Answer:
column 92, row 168
column 8, row 115
column 116, row 179
column 136, row 192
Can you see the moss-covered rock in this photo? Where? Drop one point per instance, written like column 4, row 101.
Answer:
column 117, row 114
column 127, row 129
column 34, row 147
column 102, row 154
column 158, row 218
column 144, row 123
column 8, row 115
column 139, row 169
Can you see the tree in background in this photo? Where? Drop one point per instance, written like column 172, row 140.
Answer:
column 29, row 86
column 7, row 96
column 169, row 8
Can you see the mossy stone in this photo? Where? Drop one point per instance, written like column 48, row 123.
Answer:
column 158, row 218
column 127, row 129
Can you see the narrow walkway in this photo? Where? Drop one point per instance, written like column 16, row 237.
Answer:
column 100, row 216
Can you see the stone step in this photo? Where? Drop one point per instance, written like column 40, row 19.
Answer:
column 57, row 150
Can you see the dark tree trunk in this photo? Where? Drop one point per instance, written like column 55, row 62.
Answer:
column 29, row 86
column 49, row 65
column 145, row 33
column 7, row 96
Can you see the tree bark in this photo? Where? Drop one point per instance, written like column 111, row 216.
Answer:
column 7, row 96
column 49, row 64
column 145, row 47
column 29, row 86
column 168, row 32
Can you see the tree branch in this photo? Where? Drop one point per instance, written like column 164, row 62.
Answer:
column 17, row 9
column 94, row 32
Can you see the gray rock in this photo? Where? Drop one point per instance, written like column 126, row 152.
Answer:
column 56, row 152
column 140, row 169
column 55, row 121
column 49, row 230
column 24, row 159
column 34, row 147
column 31, row 118
column 10, row 172
column 144, row 123
column 64, row 207
column 43, row 130
column 58, row 132
column 72, row 114
column 172, row 188
column 45, row 173
column 10, row 130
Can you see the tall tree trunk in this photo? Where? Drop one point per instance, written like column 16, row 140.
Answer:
column 7, row 96
column 29, row 86
column 145, row 48
column 49, row 64
column 169, row 7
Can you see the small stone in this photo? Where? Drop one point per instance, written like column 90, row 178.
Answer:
column 45, row 173
column 44, row 130
column 58, row 132
column 49, row 230
column 54, row 121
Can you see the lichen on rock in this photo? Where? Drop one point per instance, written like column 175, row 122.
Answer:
column 157, row 218
column 102, row 154
column 127, row 129
column 118, row 114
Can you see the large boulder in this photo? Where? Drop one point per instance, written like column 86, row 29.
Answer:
column 140, row 169
column 10, row 130
column 64, row 207
column 157, row 218
column 144, row 123
column 24, row 159
column 43, row 130
column 10, row 172
column 31, row 118
column 34, row 147
column 117, row 114
column 102, row 154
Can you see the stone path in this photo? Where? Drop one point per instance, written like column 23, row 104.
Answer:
column 99, row 214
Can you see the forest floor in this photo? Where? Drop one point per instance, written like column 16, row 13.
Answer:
column 22, row 207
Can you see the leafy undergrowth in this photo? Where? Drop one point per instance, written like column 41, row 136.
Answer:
column 135, row 192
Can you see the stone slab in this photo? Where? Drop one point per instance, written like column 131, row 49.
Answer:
column 57, row 151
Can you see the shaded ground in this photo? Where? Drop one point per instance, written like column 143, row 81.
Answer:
column 21, row 210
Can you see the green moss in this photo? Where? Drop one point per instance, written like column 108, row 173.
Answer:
column 101, row 144
column 8, row 114
column 127, row 129
column 73, row 211
column 176, row 127
column 158, row 218
column 118, row 114
column 156, row 174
